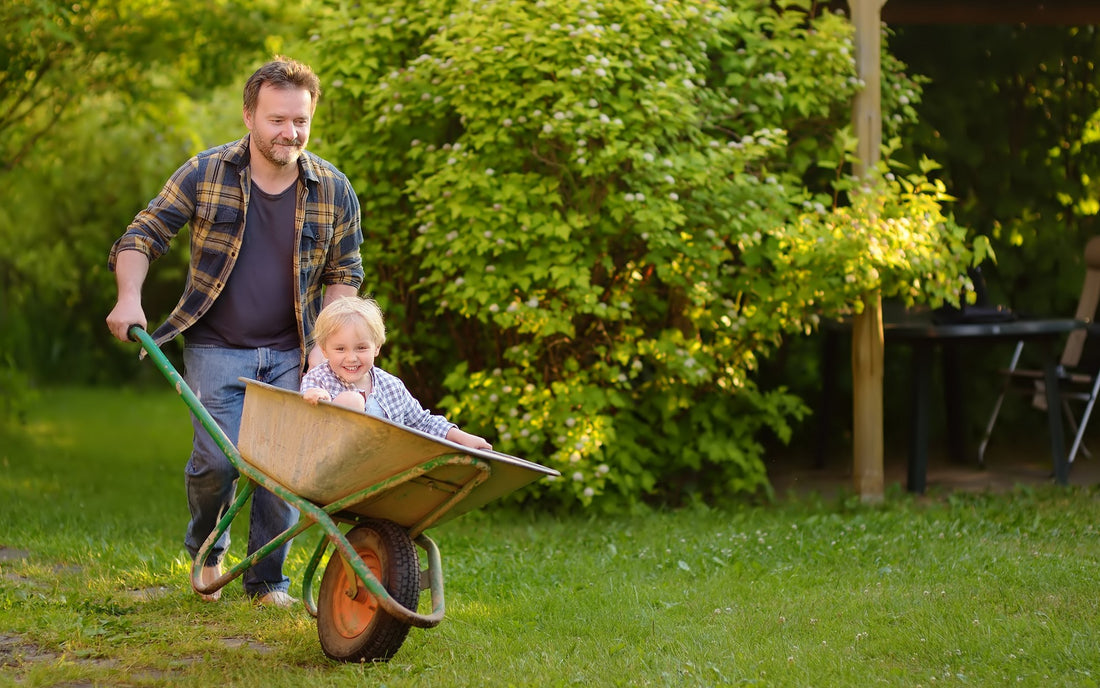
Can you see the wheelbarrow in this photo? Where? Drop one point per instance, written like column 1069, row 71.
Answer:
column 371, row 486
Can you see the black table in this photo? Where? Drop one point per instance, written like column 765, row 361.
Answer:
column 922, row 336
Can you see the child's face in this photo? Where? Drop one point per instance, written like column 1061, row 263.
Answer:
column 350, row 352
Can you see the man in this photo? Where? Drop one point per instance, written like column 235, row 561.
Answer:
column 275, row 234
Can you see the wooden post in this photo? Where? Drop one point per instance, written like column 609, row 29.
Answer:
column 867, row 420
column 867, row 338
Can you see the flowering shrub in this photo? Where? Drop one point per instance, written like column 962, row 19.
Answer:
column 592, row 218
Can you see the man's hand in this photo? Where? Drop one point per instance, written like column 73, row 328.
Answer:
column 130, row 269
column 123, row 316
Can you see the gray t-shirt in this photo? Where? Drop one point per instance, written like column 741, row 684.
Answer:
column 256, row 308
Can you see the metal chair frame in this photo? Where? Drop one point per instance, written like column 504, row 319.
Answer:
column 1075, row 384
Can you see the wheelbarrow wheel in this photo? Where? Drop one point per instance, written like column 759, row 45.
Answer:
column 358, row 629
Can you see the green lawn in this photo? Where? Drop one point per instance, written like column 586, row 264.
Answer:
column 962, row 589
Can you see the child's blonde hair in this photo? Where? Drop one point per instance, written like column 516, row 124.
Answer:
column 350, row 310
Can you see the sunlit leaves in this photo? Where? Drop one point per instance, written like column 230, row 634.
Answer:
column 615, row 207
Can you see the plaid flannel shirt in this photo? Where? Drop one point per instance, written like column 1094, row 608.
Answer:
column 398, row 404
column 210, row 192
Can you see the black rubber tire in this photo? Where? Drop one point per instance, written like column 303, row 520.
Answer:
column 360, row 630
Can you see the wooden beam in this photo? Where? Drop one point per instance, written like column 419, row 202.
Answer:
column 1029, row 12
column 976, row 12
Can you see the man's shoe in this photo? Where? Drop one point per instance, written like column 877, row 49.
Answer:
column 209, row 575
column 276, row 598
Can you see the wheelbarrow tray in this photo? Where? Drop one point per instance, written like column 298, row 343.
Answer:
column 325, row 453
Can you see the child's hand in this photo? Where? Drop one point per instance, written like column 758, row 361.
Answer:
column 315, row 394
column 467, row 440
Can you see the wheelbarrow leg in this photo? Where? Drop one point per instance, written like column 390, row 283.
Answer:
column 199, row 562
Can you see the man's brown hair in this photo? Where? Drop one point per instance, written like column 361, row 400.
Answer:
column 281, row 72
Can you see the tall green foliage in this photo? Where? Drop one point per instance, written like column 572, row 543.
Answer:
column 55, row 56
column 100, row 101
column 592, row 219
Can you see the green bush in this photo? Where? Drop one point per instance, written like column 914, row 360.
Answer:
column 609, row 212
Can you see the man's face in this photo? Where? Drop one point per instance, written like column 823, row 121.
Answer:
column 280, row 124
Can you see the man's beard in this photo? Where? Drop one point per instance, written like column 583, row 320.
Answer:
column 279, row 151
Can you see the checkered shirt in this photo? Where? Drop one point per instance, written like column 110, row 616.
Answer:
column 398, row 404
column 209, row 193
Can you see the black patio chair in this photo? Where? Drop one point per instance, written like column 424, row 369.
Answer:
column 1079, row 375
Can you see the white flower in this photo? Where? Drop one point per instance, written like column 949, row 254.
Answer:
column 578, row 476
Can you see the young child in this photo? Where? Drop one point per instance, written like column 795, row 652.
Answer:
column 350, row 333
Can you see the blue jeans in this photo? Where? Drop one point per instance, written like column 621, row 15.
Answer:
column 212, row 374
